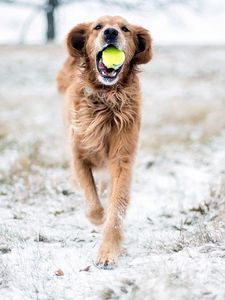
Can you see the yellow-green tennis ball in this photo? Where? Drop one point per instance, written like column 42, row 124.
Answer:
column 113, row 57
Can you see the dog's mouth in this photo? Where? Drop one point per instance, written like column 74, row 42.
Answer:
column 108, row 74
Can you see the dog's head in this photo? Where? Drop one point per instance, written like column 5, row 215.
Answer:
column 89, row 40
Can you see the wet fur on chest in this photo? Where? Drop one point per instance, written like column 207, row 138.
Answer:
column 102, row 114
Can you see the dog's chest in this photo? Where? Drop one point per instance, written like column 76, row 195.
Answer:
column 98, row 116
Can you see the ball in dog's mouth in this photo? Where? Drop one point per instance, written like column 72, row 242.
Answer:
column 108, row 74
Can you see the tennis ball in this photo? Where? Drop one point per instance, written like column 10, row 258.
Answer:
column 113, row 57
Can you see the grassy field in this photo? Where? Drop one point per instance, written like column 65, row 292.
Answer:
column 175, row 226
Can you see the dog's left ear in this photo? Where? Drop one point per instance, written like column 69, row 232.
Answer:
column 76, row 40
column 143, row 43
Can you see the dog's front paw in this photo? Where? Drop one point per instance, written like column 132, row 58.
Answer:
column 96, row 216
column 107, row 257
column 106, row 262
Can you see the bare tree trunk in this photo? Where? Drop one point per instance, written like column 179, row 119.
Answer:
column 51, row 6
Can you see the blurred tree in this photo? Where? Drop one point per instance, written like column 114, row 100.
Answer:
column 48, row 7
column 50, row 10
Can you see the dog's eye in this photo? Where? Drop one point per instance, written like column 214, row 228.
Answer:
column 125, row 29
column 97, row 27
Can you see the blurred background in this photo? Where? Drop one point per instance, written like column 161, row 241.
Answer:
column 179, row 178
column 170, row 21
column 183, row 85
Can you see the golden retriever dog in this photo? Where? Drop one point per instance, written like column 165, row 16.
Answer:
column 103, row 118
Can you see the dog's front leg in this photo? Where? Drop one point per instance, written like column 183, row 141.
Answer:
column 119, row 198
column 84, row 173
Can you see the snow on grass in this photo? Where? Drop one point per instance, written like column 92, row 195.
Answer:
column 175, row 232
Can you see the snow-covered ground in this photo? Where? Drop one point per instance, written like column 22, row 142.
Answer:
column 196, row 22
column 175, row 227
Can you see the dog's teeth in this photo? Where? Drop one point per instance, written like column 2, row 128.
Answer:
column 112, row 74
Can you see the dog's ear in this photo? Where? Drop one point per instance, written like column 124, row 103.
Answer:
column 143, row 42
column 76, row 39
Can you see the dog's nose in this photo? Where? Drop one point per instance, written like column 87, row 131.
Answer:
column 110, row 34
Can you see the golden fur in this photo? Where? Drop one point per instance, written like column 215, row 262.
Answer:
column 104, row 120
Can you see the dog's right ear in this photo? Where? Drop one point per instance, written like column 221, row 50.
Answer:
column 76, row 40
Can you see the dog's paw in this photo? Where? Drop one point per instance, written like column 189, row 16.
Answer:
column 105, row 263
column 107, row 257
column 96, row 216
column 105, row 266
